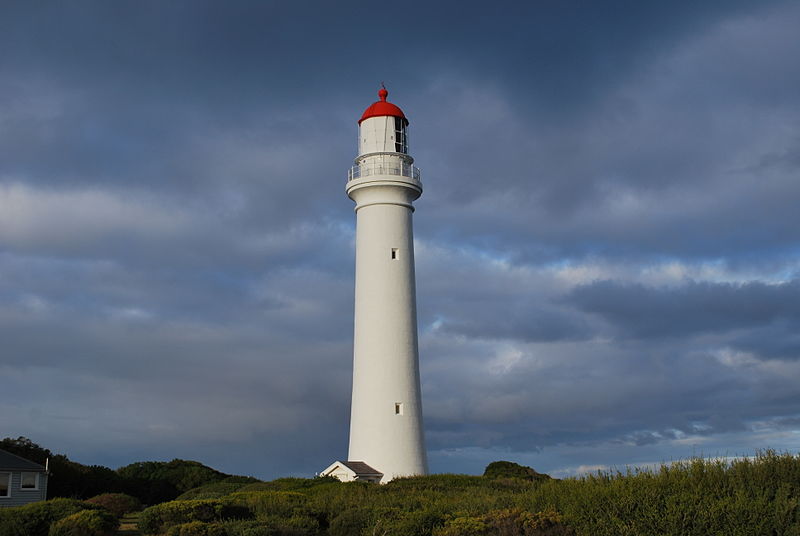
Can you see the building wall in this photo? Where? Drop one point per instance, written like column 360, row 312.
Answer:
column 20, row 497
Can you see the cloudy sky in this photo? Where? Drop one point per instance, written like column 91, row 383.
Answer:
column 608, row 268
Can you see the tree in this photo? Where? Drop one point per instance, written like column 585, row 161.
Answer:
column 503, row 469
column 25, row 448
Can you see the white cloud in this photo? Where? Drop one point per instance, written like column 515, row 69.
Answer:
column 36, row 217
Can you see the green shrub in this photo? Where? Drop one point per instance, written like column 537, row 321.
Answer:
column 441, row 482
column 411, row 523
column 463, row 526
column 182, row 474
column 690, row 498
column 366, row 520
column 86, row 523
column 503, row 469
column 507, row 522
column 296, row 526
column 291, row 484
column 118, row 504
column 34, row 519
column 268, row 503
column 351, row 522
column 248, row 528
column 197, row 528
column 219, row 489
column 518, row 522
column 160, row 517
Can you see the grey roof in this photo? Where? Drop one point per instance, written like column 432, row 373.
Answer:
column 12, row 462
column 361, row 468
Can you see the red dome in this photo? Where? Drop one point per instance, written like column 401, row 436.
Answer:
column 383, row 108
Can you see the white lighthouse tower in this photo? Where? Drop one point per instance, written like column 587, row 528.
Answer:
column 386, row 432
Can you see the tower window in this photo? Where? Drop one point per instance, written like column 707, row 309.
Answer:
column 400, row 140
column 394, row 254
column 398, row 408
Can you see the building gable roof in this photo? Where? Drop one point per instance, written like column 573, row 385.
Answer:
column 361, row 468
column 12, row 462
column 356, row 469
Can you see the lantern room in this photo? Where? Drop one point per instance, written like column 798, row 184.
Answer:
column 383, row 128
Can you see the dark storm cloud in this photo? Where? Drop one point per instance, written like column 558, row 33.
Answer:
column 658, row 365
column 224, row 382
column 592, row 394
column 520, row 322
column 176, row 247
column 661, row 155
column 465, row 295
column 695, row 308
column 779, row 340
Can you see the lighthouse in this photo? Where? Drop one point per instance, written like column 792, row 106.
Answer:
column 386, row 431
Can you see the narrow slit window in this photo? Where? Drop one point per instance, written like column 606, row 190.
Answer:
column 394, row 254
column 398, row 408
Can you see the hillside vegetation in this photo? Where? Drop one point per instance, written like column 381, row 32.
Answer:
column 150, row 482
column 696, row 497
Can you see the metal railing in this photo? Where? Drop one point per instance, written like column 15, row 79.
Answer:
column 368, row 169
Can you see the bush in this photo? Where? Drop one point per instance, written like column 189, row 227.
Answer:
column 518, row 522
column 295, row 526
column 355, row 521
column 291, row 484
column 160, row 517
column 248, row 528
column 157, row 482
column 298, row 525
column 268, row 503
column 182, row 474
column 411, row 523
column 351, row 522
column 504, row 469
column 440, row 482
column 197, row 528
column 86, row 523
column 118, row 504
column 463, row 526
column 507, row 522
column 215, row 490
column 34, row 519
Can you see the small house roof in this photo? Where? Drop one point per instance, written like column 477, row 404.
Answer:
column 357, row 469
column 12, row 462
column 361, row 468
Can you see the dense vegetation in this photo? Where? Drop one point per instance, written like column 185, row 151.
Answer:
column 696, row 497
column 36, row 519
column 505, row 469
column 150, row 482
column 117, row 504
column 85, row 523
